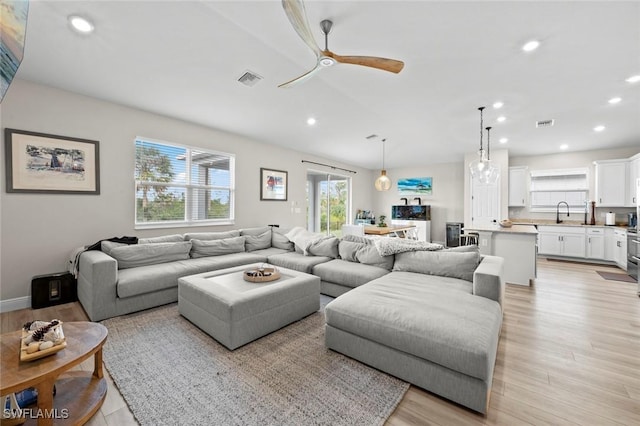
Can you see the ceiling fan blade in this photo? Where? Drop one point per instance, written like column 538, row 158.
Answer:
column 384, row 64
column 302, row 78
column 298, row 17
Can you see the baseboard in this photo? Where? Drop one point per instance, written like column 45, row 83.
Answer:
column 15, row 304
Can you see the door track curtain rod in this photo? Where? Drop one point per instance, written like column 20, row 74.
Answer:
column 328, row 165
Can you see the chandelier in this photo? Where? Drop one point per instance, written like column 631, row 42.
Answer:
column 482, row 168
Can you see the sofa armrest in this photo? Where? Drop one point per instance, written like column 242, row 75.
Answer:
column 488, row 278
column 97, row 280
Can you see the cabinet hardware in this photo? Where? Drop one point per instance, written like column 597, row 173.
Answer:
column 589, row 240
column 600, row 200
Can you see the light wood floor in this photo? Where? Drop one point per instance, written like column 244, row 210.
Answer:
column 569, row 354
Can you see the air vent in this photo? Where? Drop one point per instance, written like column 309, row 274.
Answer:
column 544, row 123
column 249, row 78
column 371, row 137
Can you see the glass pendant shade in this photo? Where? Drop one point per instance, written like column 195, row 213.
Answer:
column 383, row 183
column 491, row 172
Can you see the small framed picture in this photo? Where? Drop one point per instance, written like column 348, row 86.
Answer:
column 273, row 185
column 43, row 163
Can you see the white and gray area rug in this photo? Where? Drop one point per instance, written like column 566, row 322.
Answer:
column 172, row 373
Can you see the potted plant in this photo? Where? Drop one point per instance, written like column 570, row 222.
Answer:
column 382, row 223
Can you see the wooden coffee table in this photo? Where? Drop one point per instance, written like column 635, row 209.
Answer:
column 79, row 394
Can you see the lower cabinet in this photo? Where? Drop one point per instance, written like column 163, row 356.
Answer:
column 561, row 241
column 596, row 243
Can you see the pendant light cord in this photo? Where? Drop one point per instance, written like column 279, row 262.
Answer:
column 488, row 145
column 383, row 141
column 481, row 128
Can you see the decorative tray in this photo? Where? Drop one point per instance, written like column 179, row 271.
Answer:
column 261, row 274
column 53, row 335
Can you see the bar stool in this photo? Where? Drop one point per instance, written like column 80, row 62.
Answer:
column 470, row 239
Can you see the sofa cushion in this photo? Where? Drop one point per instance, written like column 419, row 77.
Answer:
column 206, row 236
column 257, row 242
column 256, row 231
column 135, row 255
column 217, row 247
column 324, row 247
column 347, row 273
column 174, row 238
column 451, row 328
column 297, row 261
column 442, row 263
column 107, row 246
column 279, row 239
column 364, row 252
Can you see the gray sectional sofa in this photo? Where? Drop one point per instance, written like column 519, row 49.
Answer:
column 432, row 318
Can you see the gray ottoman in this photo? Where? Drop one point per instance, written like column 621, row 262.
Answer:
column 236, row 312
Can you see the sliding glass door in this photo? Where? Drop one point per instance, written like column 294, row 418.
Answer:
column 328, row 198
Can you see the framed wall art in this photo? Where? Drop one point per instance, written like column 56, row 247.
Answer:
column 273, row 185
column 417, row 185
column 42, row 163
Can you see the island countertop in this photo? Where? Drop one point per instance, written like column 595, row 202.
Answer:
column 515, row 229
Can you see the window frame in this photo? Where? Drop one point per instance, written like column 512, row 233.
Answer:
column 189, row 188
column 559, row 175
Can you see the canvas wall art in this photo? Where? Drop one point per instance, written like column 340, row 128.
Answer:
column 42, row 163
column 12, row 30
column 416, row 185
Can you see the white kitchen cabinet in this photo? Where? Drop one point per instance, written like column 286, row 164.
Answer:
column 612, row 178
column 620, row 249
column 595, row 244
column 561, row 241
column 634, row 174
column 609, row 244
column 517, row 186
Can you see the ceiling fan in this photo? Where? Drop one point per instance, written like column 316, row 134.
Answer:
column 325, row 58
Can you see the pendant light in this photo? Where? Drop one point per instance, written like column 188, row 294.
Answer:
column 477, row 167
column 383, row 183
column 491, row 173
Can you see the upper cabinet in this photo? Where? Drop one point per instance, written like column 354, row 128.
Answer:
column 517, row 186
column 612, row 181
column 634, row 174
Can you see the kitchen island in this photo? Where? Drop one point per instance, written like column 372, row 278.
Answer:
column 517, row 245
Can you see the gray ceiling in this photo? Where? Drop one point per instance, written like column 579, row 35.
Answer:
column 182, row 59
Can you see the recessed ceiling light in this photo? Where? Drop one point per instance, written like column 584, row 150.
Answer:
column 633, row 79
column 564, row 147
column 498, row 105
column 615, row 100
column 311, row 121
column 599, row 128
column 501, row 118
column 531, row 45
column 503, row 140
column 81, row 24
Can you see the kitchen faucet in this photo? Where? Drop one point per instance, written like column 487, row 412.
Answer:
column 558, row 211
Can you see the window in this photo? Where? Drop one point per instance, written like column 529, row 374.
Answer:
column 549, row 187
column 182, row 186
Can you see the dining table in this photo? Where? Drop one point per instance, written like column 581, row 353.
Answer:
column 389, row 230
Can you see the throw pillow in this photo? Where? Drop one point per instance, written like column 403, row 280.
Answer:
column 324, row 247
column 368, row 254
column 441, row 263
column 107, row 246
column 175, row 238
column 217, row 247
column 279, row 240
column 358, row 239
column 348, row 250
column 132, row 256
column 257, row 242
column 211, row 235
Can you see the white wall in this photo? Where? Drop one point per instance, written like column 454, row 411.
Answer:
column 40, row 230
column 582, row 159
column 447, row 200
